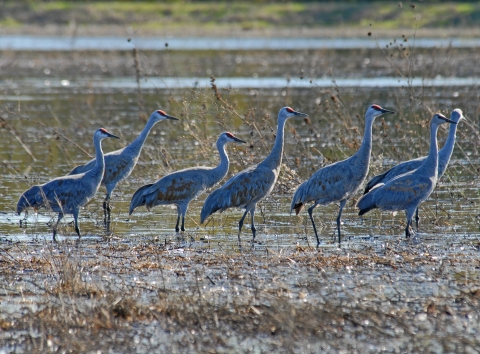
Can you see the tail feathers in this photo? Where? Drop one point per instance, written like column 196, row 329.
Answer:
column 298, row 208
column 297, row 200
column 375, row 181
column 30, row 198
column 211, row 205
column 364, row 211
column 139, row 198
column 366, row 203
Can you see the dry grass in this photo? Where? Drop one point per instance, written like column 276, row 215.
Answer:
column 195, row 299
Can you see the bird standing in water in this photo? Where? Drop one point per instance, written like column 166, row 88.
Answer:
column 339, row 181
column 408, row 191
column 181, row 187
column 443, row 158
column 248, row 187
column 67, row 194
column 119, row 164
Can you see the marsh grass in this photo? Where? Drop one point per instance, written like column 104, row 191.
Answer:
column 295, row 299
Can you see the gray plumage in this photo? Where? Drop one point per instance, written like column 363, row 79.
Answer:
column 443, row 159
column 339, row 181
column 248, row 187
column 67, row 194
column 407, row 191
column 181, row 187
column 119, row 164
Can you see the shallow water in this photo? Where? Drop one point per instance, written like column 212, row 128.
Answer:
column 230, row 83
column 49, row 121
column 121, row 43
column 200, row 291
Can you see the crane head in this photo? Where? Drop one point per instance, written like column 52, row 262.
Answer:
column 228, row 137
column 287, row 112
column 457, row 115
column 159, row 115
column 103, row 133
column 439, row 118
column 375, row 110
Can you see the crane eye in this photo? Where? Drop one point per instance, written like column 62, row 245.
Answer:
column 103, row 130
column 376, row 107
column 161, row 112
column 230, row 135
column 289, row 110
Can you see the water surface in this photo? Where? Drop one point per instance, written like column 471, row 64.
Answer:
column 45, row 43
column 50, row 121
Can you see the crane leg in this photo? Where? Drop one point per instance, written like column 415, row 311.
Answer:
column 240, row 224
column 310, row 211
column 183, row 223
column 184, row 212
column 60, row 217
column 342, row 205
column 177, row 230
column 254, row 230
column 75, row 218
column 408, row 230
column 417, row 218
column 106, row 209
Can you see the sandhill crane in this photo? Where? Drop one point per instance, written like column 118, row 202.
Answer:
column 248, row 187
column 120, row 163
column 339, row 181
column 443, row 158
column 407, row 191
column 181, row 187
column 67, row 194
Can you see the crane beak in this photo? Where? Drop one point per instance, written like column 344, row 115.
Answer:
column 448, row 120
column 110, row 135
column 239, row 140
column 300, row 114
column 386, row 111
column 170, row 117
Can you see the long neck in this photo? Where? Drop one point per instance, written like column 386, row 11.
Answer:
column 362, row 156
column 446, row 152
column 137, row 145
column 274, row 160
column 99, row 167
column 217, row 173
column 430, row 166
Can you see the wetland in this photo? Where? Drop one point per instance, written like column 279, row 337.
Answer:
column 140, row 287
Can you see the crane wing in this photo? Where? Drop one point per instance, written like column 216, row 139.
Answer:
column 400, row 193
column 248, row 187
column 174, row 188
column 394, row 172
column 329, row 184
column 117, row 168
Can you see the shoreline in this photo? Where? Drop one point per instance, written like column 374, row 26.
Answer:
column 237, row 32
